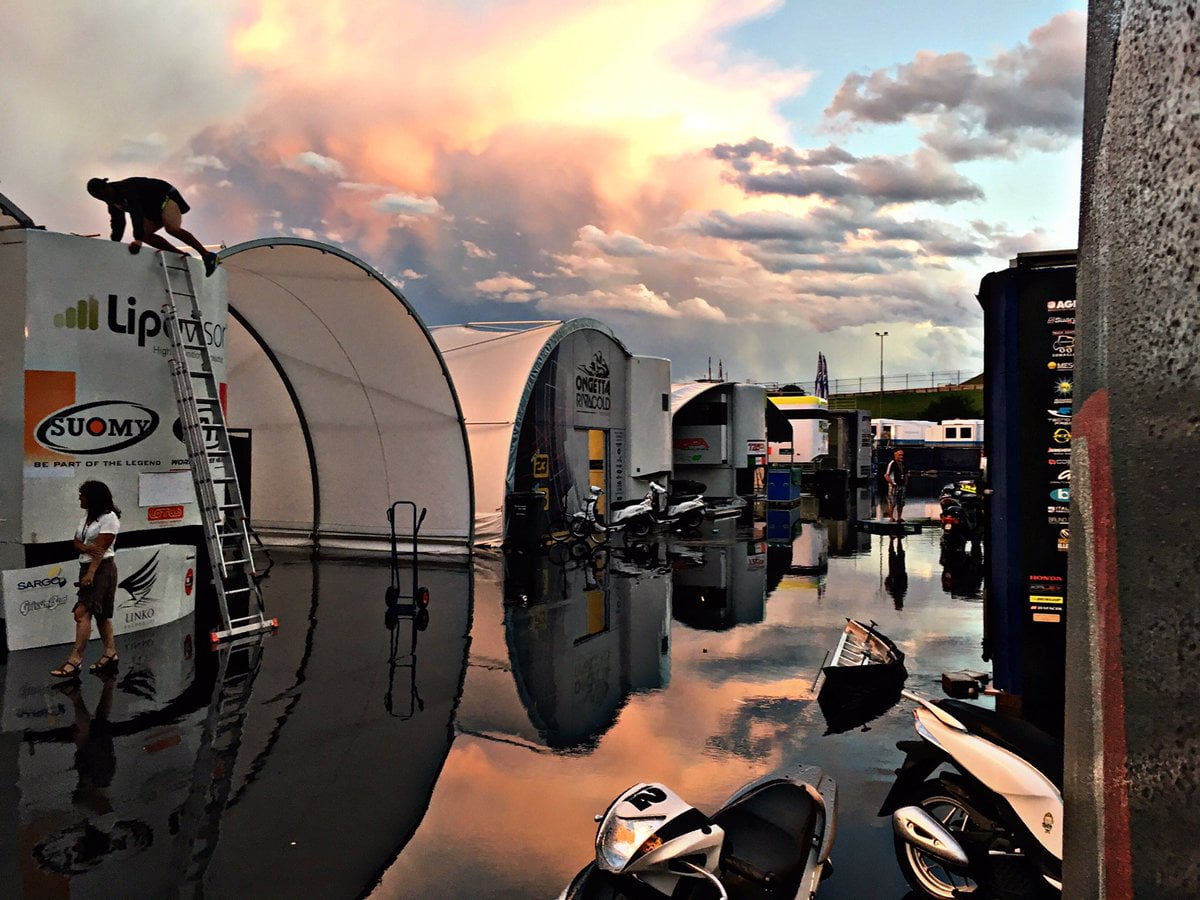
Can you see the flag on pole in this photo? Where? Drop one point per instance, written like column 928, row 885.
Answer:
column 822, row 382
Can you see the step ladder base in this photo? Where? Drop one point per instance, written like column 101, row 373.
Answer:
column 218, row 636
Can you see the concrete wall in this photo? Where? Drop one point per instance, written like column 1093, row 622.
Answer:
column 1133, row 654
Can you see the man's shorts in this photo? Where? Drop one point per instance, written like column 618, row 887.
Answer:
column 896, row 494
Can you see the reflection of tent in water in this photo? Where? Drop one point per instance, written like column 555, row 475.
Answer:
column 571, row 650
column 555, row 407
column 295, row 750
column 729, row 589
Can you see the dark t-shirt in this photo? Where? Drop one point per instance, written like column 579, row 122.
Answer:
column 143, row 199
column 897, row 473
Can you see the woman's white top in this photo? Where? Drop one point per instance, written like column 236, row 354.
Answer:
column 87, row 532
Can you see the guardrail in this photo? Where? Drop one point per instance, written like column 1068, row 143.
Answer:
column 951, row 380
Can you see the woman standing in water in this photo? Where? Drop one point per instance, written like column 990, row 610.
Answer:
column 94, row 540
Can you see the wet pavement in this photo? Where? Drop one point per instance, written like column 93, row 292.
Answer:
column 341, row 757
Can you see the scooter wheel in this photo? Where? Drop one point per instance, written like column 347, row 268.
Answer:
column 928, row 875
column 692, row 520
column 640, row 528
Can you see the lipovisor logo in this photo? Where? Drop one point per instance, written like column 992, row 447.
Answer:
column 101, row 426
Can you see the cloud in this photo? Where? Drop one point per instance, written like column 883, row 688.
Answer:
column 1028, row 97
column 628, row 298
column 407, row 204
column 315, row 162
column 699, row 308
column 502, row 283
column 509, row 289
column 476, row 252
column 147, row 148
column 617, row 243
column 880, row 179
column 200, row 163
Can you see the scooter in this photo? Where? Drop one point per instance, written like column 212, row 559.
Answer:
column 771, row 838
column 685, row 510
column 635, row 515
column 990, row 823
column 961, row 515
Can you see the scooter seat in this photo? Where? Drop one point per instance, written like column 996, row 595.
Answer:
column 1033, row 745
column 768, row 836
column 621, row 504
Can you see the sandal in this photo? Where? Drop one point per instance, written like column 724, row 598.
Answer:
column 103, row 664
column 67, row 670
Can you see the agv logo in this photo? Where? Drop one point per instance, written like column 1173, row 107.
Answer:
column 101, row 426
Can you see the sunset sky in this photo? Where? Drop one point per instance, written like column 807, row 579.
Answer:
column 750, row 180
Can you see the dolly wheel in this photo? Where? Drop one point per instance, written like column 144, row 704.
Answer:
column 421, row 620
column 422, row 597
column 391, row 596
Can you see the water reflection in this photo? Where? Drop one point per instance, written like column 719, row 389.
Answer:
column 466, row 759
column 554, row 664
column 896, row 582
column 727, row 587
column 962, row 570
column 267, row 767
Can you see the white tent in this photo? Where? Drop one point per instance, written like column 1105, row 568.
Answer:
column 598, row 417
column 348, row 401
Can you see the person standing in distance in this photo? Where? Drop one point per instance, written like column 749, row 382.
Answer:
column 94, row 540
column 896, row 477
column 151, row 204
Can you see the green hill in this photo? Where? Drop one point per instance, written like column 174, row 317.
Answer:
column 932, row 405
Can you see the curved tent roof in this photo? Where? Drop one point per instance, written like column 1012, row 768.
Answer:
column 495, row 366
column 684, row 393
column 349, row 401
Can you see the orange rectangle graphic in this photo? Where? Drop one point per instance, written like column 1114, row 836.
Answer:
column 45, row 392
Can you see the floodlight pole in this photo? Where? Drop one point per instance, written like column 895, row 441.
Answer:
column 881, row 335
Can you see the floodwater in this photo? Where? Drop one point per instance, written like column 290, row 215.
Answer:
column 340, row 757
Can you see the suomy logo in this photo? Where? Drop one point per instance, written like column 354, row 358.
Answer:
column 146, row 324
column 101, row 426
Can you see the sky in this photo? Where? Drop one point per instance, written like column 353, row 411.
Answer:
column 746, row 181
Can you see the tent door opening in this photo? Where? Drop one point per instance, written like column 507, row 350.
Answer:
column 598, row 465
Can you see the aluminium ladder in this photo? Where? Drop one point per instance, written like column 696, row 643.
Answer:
column 206, row 436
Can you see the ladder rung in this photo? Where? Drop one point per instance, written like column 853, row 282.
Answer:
column 235, row 562
column 229, row 506
column 197, row 373
column 216, row 454
column 223, row 479
column 237, row 591
column 193, row 346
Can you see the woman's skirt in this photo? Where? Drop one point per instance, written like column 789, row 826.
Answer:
column 98, row 597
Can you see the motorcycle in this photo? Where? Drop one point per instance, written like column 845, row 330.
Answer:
column 771, row 838
column 990, row 823
column 961, row 514
column 635, row 515
column 683, row 509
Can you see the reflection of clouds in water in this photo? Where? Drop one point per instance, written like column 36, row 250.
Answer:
column 770, row 653
column 759, row 727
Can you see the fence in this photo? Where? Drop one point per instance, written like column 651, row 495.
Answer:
column 909, row 381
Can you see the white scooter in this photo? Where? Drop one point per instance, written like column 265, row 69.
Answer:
column 771, row 838
column 990, row 823
column 685, row 510
column 635, row 515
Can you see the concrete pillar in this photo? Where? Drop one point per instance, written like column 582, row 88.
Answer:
column 1133, row 629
